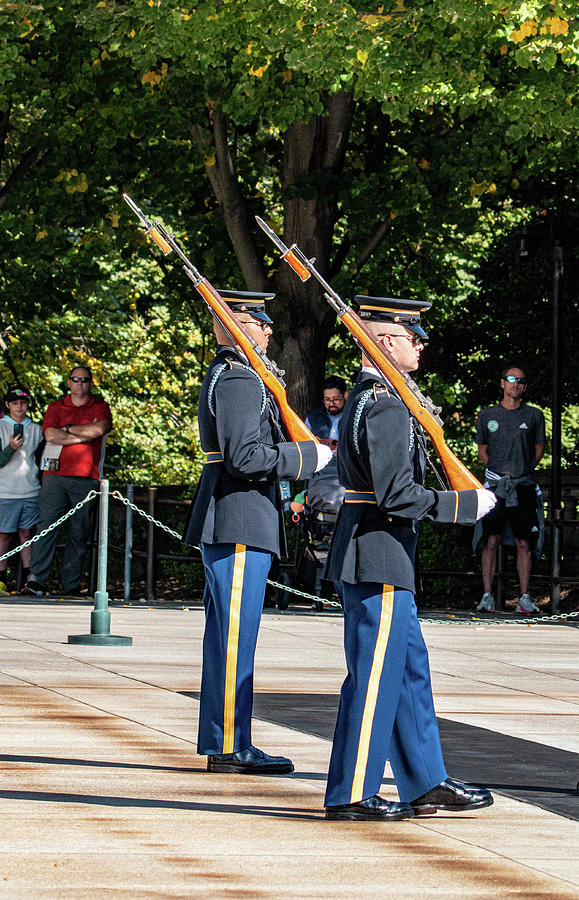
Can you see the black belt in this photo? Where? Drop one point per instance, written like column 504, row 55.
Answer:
column 360, row 497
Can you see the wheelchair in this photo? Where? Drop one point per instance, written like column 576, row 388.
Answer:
column 314, row 513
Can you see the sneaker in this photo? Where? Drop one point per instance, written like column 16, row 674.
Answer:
column 4, row 592
column 487, row 603
column 526, row 605
column 32, row 587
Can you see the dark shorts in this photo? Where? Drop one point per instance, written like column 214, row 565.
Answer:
column 18, row 513
column 522, row 518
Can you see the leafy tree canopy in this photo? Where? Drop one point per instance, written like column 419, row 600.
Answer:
column 403, row 145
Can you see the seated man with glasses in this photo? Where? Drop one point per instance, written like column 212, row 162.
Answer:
column 74, row 427
column 511, row 441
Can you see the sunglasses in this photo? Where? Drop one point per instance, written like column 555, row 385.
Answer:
column 262, row 325
column 514, row 379
column 83, row 379
column 414, row 340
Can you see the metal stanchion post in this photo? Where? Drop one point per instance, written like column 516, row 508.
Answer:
column 556, row 435
column 128, row 543
column 151, row 574
column 556, row 560
column 100, row 619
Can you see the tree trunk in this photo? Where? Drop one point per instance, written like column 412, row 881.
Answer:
column 223, row 177
column 312, row 167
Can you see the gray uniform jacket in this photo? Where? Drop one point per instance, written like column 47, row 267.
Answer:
column 381, row 455
column 237, row 498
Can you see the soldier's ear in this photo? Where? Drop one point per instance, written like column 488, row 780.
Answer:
column 346, row 394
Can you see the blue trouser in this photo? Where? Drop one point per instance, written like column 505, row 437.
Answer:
column 386, row 708
column 235, row 581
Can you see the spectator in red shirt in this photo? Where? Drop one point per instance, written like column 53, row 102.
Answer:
column 75, row 429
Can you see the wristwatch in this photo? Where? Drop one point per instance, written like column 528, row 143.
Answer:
column 67, row 429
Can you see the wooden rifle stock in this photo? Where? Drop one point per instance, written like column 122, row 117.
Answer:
column 459, row 477
column 267, row 370
column 421, row 407
column 295, row 427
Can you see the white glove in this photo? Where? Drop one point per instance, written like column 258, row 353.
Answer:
column 485, row 501
column 324, row 456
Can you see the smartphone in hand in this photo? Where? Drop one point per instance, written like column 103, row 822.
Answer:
column 18, row 429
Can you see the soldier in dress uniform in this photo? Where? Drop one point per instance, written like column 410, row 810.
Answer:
column 237, row 519
column 386, row 708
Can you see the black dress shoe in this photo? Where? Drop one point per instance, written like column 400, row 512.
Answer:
column 453, row 796
column 249, row 762
column 374, row 809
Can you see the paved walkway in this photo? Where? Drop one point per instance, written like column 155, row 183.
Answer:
column 102, row 794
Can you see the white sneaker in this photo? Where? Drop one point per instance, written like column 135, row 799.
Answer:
column 487, row 603
column 526, row 605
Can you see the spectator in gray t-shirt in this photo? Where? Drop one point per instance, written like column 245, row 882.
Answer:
column 511, row 441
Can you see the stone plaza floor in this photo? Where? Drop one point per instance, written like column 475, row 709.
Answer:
column 102, row 793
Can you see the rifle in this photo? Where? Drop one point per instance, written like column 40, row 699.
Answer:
column 266, row 368
column 421, row 407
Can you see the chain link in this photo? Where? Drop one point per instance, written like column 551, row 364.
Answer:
column 332, row 603
column 118, row 496
column 291, row 590
column 124, row 500
column 478, row 622
column 276, row 584
column 90, row 496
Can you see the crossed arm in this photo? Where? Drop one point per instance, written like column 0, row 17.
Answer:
column 78, row 434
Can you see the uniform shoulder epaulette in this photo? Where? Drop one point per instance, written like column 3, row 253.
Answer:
column 231, row 361
column 379, row 388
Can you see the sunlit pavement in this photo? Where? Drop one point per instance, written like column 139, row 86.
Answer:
column 103, row 794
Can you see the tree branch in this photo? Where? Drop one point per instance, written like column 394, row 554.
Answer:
column 221, row 172
column 4, row 123
column 340, row 256
column 373, row 243
column 30, row 159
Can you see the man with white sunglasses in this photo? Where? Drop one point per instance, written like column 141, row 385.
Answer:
column 511, row 441
column 74, row 427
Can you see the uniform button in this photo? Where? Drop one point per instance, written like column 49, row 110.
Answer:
column 389, row 518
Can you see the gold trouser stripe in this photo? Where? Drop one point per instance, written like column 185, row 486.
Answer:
column 232, row 649
column 372, row 694
column 455, row 508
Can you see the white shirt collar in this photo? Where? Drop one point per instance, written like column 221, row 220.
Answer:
column 374, row 372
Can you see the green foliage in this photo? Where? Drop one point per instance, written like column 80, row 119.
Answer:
column 463, row 129
column 147, row 366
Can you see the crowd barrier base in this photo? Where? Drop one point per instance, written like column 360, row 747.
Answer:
column 100, row 618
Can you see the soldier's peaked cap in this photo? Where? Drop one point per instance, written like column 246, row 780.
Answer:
column 393, row 309
column 249, row 302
